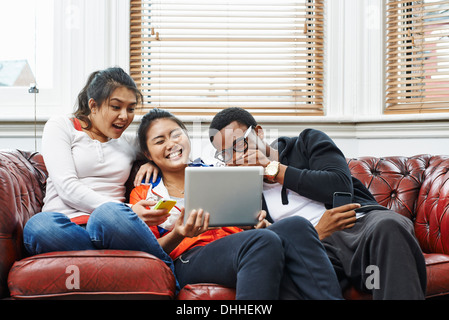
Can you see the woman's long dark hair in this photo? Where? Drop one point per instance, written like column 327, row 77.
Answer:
column 99, row 87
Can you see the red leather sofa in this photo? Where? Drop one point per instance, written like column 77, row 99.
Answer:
column 416, row 187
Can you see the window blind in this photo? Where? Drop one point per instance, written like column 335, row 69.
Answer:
column 417, row 56
column 196, row 57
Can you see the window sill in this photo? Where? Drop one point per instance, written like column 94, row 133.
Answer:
column 359, row 127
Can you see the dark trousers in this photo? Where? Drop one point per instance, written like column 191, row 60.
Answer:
column 381, row 255
column 285, row 260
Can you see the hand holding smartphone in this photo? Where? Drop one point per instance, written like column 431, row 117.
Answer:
column 343, row 198
column 165, row 204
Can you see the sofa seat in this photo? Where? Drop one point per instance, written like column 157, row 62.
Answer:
column 437, row 274
column 91, row 274
column 206, row 291
column 437, row 266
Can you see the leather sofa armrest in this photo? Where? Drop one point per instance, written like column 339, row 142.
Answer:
column 22, row 188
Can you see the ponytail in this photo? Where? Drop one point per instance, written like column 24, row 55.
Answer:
column 82, row 112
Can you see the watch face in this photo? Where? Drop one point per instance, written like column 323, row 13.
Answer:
column 271, row 170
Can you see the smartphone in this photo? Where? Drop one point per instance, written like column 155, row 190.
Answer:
column 342, row 198
column 165, row 204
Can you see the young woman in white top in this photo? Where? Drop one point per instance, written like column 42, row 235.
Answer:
column 89, row 158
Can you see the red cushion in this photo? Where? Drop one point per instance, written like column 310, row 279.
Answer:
column 206, row 291
column 437, row 274
column 91, row 274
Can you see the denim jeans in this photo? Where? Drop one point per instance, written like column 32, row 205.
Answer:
column 110, row 226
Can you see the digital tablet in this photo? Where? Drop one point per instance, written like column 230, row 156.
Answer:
column 231, row 195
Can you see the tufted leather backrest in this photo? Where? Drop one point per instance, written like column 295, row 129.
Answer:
column 432, row 209
column 394, row 181
column 416, row 187
column 22, row 187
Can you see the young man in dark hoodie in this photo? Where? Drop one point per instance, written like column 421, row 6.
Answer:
column 374, row 250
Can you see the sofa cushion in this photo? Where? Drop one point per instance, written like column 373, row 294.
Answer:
column 206, row 291
column 111, row 274
column 437, row 274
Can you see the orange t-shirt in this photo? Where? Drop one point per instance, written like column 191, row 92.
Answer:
column 140, row 193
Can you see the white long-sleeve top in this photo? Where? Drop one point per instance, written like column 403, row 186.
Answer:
column 84, row 173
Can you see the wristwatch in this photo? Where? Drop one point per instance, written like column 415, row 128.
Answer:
column 271, row 171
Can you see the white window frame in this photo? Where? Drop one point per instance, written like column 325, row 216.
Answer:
column 355, row 65
column 17, row 102
column 78, row 51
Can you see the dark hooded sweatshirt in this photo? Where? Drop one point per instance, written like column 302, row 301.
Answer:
column 316, row 169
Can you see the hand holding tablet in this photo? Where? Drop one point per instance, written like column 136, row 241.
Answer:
column 231, row 195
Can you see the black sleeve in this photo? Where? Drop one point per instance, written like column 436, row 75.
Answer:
column 326, row 171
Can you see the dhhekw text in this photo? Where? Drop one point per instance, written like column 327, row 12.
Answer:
column 237, row 309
